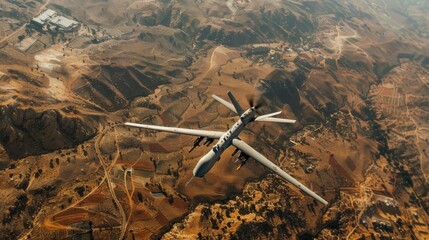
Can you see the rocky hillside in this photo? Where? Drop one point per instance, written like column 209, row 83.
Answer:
column 72, row 170
column 25, row 131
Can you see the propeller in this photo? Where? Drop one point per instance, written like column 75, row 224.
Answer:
column 255, row 102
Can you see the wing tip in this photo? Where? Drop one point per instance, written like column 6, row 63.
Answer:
column 324, row 202
column 130, row 124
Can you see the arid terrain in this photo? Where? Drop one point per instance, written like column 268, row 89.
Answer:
column 355, row 75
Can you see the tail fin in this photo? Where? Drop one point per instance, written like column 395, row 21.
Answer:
column 267, row 116
column 235, row 103
column 235, row 107
column 276, row 120
column 270, row 118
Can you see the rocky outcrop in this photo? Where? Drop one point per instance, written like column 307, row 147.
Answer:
column 115, row 86
column 252, row 26
column 231, row 38
column 25, row 131
column 166, row 36
column 257, row 27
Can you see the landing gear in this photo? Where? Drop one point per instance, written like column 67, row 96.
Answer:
column 242, row 159
column 196, row 143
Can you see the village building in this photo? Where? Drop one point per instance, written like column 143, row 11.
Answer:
column 51, row 20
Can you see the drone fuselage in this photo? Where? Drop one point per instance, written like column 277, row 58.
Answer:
column 207, row 161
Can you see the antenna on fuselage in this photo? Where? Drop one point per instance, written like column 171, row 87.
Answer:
column 189, row 181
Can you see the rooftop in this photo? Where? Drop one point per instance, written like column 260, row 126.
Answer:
column 62, row 22
column 45, row 16
column 51, row 17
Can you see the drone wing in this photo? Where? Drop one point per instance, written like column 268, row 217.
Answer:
column 187, row 131
column 245, row 148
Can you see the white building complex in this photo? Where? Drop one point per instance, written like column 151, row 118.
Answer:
column 49, row 19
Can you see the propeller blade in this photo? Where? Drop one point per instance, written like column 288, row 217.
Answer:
column 250, row 100
column 255, row 102
column 259, row 104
